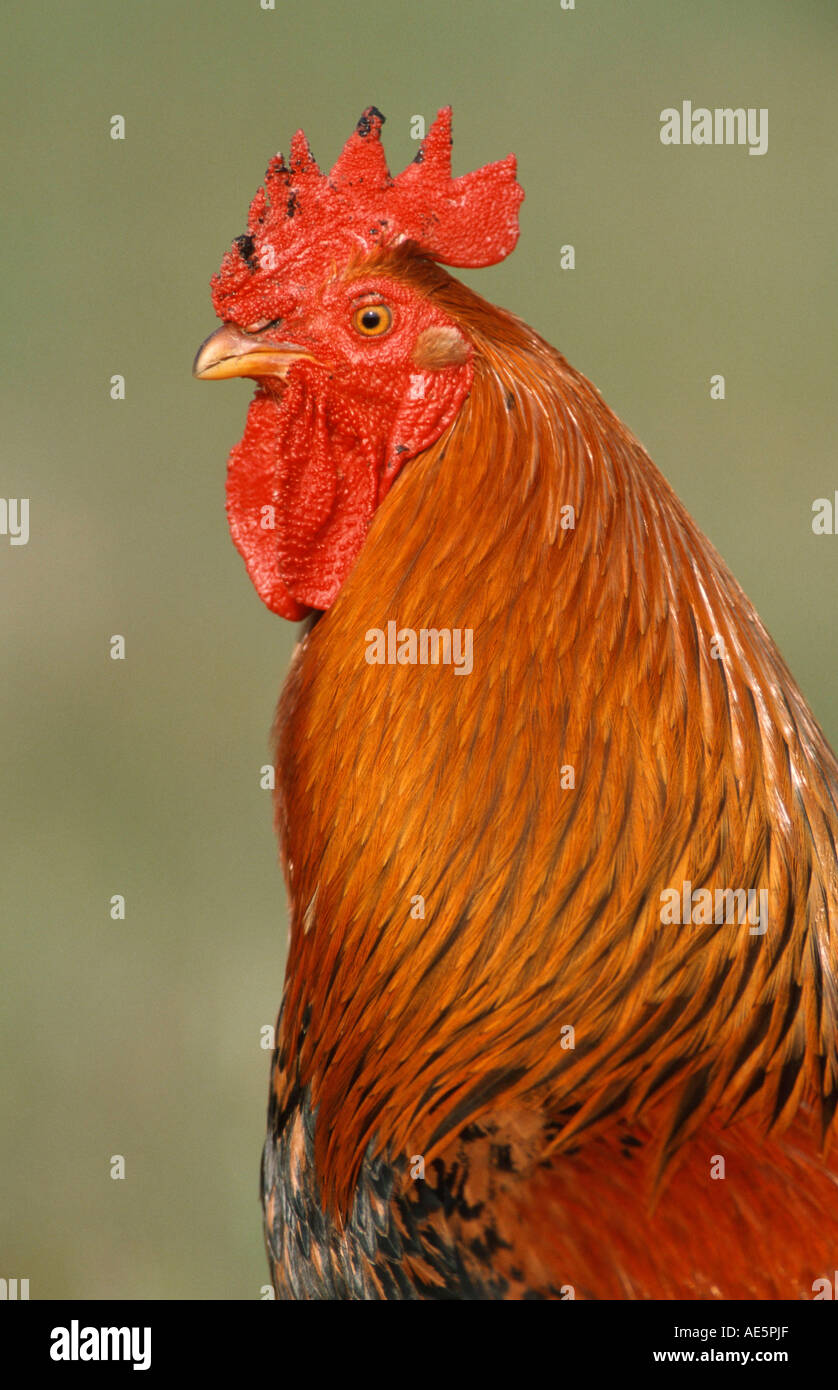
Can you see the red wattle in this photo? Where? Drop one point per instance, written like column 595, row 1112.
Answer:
column 313, row 464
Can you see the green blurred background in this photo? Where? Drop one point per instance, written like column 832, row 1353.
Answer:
column 141, row 777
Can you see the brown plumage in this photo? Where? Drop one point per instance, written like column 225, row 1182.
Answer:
column 555, row 1164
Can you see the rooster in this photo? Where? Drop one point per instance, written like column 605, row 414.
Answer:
column 506, row 1066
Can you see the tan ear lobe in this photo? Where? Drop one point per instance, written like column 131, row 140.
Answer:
column 440, row 347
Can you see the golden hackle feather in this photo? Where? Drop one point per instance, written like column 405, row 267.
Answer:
column 593, row 647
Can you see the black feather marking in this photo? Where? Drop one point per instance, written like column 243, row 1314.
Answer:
column 789, row 1075
column 247, row 251
column 364, row 125
column 482, row 1094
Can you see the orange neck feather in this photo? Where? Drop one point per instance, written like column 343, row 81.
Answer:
column 542, row 904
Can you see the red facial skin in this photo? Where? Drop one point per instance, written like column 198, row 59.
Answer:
column 326, row 438
column 322, row 447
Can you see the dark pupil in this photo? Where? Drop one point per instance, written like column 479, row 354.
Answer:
column 370, row 318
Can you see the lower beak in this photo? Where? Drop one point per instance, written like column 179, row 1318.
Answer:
column 228, row 352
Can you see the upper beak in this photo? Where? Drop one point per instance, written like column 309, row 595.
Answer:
column 229, row 352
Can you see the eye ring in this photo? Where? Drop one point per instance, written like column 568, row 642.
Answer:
column 372, row 320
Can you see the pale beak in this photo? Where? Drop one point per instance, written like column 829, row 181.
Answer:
column 228, row 352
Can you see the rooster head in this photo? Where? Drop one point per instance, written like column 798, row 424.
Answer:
column 328, row 303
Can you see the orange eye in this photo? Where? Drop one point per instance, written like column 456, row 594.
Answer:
column 372, row 320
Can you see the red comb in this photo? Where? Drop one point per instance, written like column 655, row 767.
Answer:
column 302, row 217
